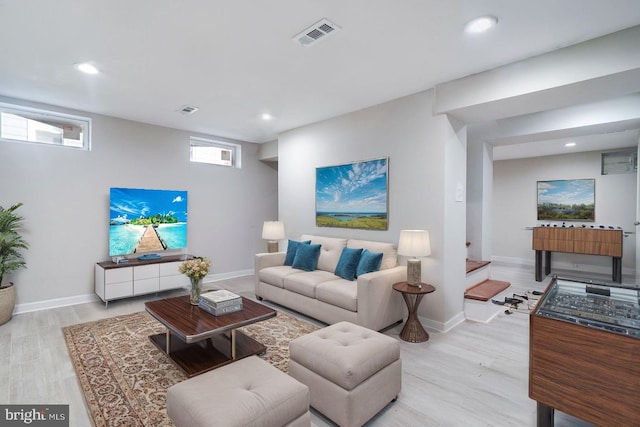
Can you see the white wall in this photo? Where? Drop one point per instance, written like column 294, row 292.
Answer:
column 427, row 159
column 66, row 201
column 479, row 196
column 514, row 206
column 637, row 218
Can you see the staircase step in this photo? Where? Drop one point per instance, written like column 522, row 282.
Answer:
column 486, row 290
column 473, row 265
column 484, row 311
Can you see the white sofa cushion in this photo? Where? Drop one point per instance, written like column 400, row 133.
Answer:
column 275, row 275
column 330, row 250
column 305, row 283
column 388, row 250
column 341, row 293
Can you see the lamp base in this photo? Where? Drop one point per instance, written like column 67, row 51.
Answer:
column 414, row 272
column 272, row 246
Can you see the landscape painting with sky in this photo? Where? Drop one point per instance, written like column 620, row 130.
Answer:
column 353, row 195
column 567, row 200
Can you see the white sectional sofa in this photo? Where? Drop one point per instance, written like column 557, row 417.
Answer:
column 368, row 300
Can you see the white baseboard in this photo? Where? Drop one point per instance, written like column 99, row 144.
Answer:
column 443, row 327
column 226, row 276
column 82, row 299
column 512, row 260
column 454, row 321
column 55, row 303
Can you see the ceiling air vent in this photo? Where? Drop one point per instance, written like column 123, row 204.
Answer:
column 188, row 109
column 318, row 31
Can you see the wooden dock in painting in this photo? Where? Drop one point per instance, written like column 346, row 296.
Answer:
column 150, row 241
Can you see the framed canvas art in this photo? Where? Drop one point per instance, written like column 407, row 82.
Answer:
column 567, row 200
column 353, row 195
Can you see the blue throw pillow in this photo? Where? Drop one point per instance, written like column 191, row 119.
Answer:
column 369, row 262
column 306, row 257
column 292, row 247
column 348, row 263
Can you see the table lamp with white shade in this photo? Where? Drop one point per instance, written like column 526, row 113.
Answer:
column 272, row 231
column 414, row 244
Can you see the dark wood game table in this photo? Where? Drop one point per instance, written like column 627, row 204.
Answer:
column 205, row 341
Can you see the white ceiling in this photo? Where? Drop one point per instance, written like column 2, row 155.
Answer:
column 550, row 147
column 236, row 59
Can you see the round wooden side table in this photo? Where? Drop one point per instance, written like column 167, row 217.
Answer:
column 413, row 330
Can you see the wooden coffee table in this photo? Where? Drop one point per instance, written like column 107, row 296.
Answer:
column 205, row 341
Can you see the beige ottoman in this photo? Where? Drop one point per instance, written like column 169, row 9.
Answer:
column 352, row 372
column 249, row 392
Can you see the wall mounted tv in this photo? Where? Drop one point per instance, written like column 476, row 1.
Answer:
column 146, row 221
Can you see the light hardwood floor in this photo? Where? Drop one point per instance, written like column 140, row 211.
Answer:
column 473, row 375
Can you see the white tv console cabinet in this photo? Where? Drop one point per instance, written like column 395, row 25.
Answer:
column 139, row 277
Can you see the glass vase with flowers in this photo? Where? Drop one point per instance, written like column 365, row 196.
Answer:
column 195, row 269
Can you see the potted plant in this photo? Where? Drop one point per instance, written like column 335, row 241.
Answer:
column 11, row 243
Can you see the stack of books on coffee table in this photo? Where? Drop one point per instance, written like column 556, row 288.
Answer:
column 220, row 302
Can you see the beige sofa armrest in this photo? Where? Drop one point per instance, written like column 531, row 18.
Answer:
column 265, row 260
column 378, row 304
column 272, row 259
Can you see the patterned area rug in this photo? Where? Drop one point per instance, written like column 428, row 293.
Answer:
column 124, row 377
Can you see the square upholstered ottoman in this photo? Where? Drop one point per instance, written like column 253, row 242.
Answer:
column 249, row 392
column 352, row 372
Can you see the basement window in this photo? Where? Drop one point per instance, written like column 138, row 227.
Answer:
column 618, row 162
column 215, row 152
column 33, row 125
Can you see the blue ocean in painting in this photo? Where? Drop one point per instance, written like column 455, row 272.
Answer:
column 123, row 238
column 347, row 216
column 174, row 235
column 133, row 210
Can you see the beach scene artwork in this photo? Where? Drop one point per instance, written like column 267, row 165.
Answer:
column 353, row 195
column 567, row 200
column 145, row 221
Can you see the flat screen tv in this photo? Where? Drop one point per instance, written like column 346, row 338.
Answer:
column 145, row 221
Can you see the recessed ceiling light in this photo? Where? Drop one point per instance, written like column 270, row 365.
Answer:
column 266, row 116
column 481, row 24
column 570, row 144
column 87, row 68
